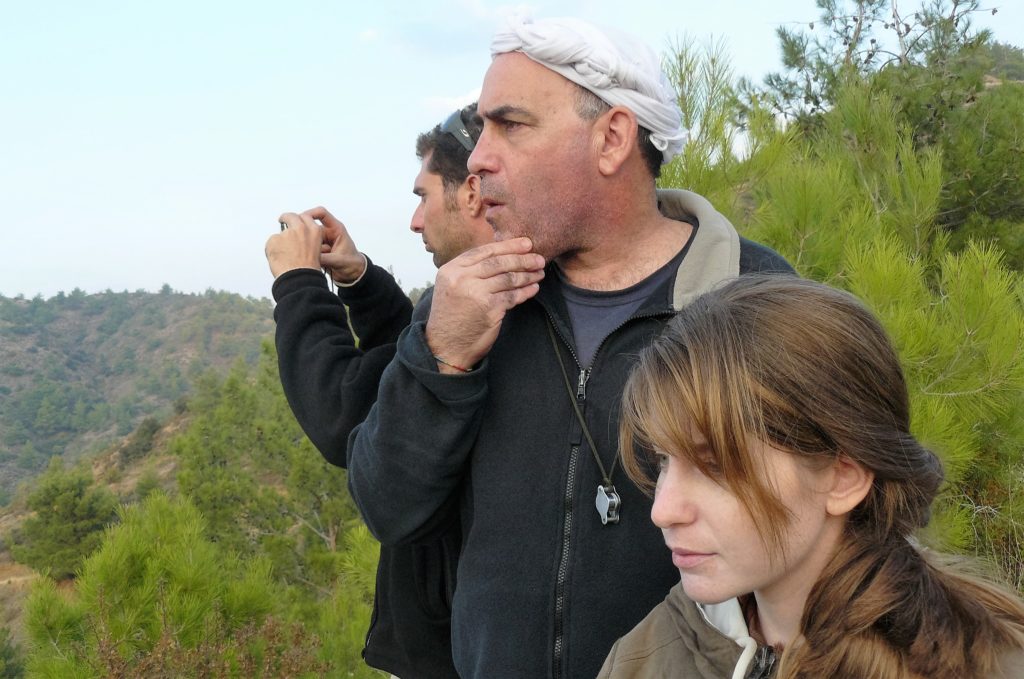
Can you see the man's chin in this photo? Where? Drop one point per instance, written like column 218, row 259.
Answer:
column 501, row 234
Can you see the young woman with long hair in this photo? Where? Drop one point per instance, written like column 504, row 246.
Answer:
column 772, row 419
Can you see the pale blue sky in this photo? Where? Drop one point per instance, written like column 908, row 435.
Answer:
column 155, row 142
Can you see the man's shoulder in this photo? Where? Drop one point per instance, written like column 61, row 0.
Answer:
column 375, row 281
column 421, row 310
column 759, row 258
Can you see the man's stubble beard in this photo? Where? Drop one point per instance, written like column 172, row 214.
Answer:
column 455, row 239
column 555, row 229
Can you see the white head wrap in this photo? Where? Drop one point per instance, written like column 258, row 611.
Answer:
column 618, row 68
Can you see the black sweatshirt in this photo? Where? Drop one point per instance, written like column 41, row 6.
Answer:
column 330, row 384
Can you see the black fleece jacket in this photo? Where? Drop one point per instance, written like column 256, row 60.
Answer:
column 543, row 588
column 330, row 384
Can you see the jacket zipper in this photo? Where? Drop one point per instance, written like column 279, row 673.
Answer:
column 764, row 663
column 570, row 490
column 563, row 562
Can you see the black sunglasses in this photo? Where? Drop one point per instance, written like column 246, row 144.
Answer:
column 456, row 127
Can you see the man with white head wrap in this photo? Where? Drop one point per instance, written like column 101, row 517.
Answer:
column 504, row 394
column 615, row 66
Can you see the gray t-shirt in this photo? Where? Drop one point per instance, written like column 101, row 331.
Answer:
column 596, row 314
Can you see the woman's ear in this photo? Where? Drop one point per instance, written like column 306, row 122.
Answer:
column 851, row 483
column 470, row 190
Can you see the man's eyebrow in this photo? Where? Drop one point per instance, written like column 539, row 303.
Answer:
column 505, row 112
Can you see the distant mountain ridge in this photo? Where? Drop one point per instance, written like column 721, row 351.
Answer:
column 78, row 370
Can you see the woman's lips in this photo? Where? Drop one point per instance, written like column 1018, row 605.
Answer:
column 684, row 558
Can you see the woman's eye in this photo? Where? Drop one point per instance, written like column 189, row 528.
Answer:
column 662, row 460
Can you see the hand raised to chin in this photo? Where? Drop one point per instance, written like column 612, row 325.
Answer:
column 472, row 294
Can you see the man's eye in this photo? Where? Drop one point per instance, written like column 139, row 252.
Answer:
column 510, row 125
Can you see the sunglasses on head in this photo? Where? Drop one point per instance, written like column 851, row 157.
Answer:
column 456, row 127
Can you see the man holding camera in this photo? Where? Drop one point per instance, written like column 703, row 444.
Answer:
column 331, row 382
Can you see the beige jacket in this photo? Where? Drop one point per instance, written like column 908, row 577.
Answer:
column 683, row 640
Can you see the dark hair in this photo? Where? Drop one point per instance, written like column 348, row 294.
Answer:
column 809, row 370
column 448, row 157
column 589, row 106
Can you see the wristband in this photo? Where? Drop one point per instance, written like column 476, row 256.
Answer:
column 452, row 365
column 366, row 265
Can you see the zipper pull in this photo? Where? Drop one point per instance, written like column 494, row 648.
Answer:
column 763, row 664
column 581, row 385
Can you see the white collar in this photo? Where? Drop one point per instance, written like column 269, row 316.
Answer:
column 727, row 618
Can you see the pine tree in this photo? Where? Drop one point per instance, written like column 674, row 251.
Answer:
column 160, row 599
column 856, row 201
column 11, row 665
column 70, row 515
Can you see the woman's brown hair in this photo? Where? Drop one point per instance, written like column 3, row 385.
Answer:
column 809, row 370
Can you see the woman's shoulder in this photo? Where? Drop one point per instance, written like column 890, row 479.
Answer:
column 673, row 640
column 651, row 649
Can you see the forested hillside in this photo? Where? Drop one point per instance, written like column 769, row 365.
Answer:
column 227, row 545
column 80, row 370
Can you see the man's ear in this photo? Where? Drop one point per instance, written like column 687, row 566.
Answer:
column 617, row 133
column 851, row 483
column 470, row 196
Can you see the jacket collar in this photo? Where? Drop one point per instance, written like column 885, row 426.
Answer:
column 727, row 618
column 712, row 257
column 714, row 254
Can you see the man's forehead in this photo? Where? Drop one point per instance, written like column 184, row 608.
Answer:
column 515, row 79
column 425, row 179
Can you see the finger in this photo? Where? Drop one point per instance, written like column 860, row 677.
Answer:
column 316, row 212
column 301, row 238
column 326, row 218
column 309, row 222
column 501, row 264
column 296, row 221
column 290, row 220
column 513, row 280
column 520, row 245
column 270, row 244
column 335, row 231
column 512, row 298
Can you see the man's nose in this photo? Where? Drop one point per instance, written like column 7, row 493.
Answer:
column 482, row 159
column 416, row 225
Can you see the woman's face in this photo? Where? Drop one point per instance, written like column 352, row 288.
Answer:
column 717, row 547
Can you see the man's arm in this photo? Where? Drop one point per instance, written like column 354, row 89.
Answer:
column 378, row 309
column 407, row 460
column 329, row 381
